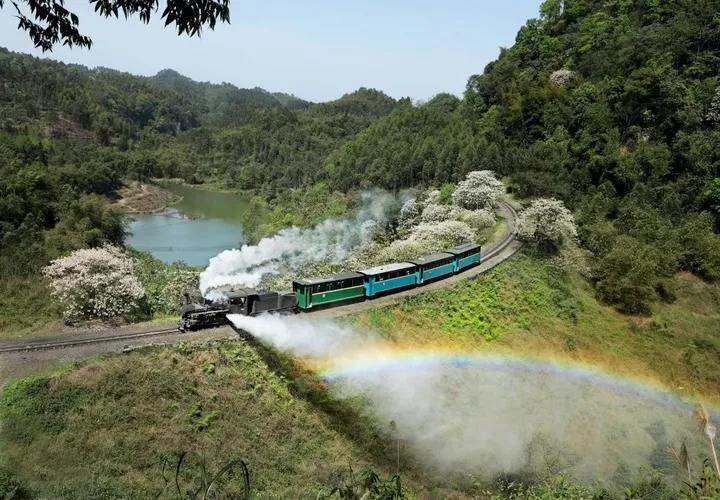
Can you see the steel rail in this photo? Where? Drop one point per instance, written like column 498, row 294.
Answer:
column 43, row 346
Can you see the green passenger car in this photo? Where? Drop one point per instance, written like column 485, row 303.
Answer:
column 319, row 291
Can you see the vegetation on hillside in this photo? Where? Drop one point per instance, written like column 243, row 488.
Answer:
column 609, row 106
column 527, row 307
column 110, row 424
column 69, row 136
column 105, row 428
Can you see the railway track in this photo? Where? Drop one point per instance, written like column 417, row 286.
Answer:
column 508, row 238
column 48, row 345
column 51, row 345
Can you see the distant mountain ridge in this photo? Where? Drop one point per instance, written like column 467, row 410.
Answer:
column 116, row 106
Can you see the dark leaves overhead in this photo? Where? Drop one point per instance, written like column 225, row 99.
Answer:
column 49, row 23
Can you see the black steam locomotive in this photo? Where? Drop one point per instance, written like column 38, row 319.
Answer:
column 208, row 313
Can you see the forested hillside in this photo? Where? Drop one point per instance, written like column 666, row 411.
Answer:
column 611, row 105
column 69, row 135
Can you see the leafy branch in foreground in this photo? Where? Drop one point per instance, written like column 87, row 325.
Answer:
column 365, row 485
column 50, row 23
column 208, row 486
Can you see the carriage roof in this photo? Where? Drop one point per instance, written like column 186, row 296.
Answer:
column 327, row 279
column 429, row 259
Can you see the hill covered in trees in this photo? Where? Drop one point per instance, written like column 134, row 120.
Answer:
column 69, row 135
column 612, row 106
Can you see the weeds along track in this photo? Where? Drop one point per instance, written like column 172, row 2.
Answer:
column 500, row 250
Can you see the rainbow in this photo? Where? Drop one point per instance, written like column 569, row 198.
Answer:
column 388, row 362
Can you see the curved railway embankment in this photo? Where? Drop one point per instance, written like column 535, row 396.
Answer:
column 89, row 344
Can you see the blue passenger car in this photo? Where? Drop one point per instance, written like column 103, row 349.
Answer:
column 466, row 255
column 383, row 279
column 437, row 265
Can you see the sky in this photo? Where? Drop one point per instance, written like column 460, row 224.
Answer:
column 315, row 49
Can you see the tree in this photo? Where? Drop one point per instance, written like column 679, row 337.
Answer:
column 480, row 189
column 95, row 283
column 50, row 23
column 548, row 224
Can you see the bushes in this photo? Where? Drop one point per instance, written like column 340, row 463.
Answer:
column 32, row 406
column 11, row 488
column 165, row 284
column 634, row 274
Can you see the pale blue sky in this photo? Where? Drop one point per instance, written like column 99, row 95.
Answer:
column 316, row 49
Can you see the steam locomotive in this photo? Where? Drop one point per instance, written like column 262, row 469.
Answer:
column 328, row 291
column 246, row 301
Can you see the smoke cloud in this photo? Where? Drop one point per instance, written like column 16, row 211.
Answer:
column 330, row 241
column 492, row 419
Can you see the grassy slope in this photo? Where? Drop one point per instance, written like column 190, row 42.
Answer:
column 101, row 429
column 26, row 309
column 105, row 424
column 526, row 308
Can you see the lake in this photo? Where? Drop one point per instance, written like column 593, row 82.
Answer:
column 200, row 226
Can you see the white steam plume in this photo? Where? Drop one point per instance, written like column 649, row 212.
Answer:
column 494, row 418
column 330, row 241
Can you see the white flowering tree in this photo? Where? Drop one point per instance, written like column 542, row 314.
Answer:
column 95, row 283
column 436, row 213
column 480, row 189
column 548, row 224
column 713, row 113
column 476, row 219
column 445, row 234
column 561, row 77
column 409, row 215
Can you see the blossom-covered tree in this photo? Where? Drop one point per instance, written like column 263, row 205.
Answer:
column 95, row 283
column 446, row 233
column 561, row 77
column 409, row 215
column 436, row 213
column 480, row 189
column 548, row 224
column 476, row 219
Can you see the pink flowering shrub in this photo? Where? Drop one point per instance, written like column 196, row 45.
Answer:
column 95, row 283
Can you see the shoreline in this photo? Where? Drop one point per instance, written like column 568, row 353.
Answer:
column 144, row 198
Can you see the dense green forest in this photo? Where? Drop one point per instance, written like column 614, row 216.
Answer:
column 610, row 105
column 69, row 136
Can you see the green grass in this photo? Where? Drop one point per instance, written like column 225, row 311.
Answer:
column 525, row 307
column 105, row 426
column 26, row 308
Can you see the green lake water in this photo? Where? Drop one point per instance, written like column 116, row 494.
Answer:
column 201, row 225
